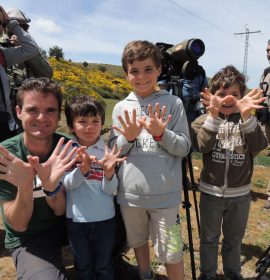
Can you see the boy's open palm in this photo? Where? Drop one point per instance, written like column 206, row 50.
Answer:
column 109, row 161
column 84, row 160
column 249, row 102
column 157, row 123
column 213, row 103
column 131, row 128
column 12, row 169
column 54, row 168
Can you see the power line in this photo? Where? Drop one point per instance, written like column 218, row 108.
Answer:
column 197, row 16
column 247, row 32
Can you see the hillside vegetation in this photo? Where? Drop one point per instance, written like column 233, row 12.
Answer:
column 97, row 80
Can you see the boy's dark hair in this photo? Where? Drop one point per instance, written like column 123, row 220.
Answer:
column 84, row 106
column 140, row 50
column 42, row 85
column 227, row 77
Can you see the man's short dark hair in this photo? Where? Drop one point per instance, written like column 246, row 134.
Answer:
column 83, row 105
column 42, row 85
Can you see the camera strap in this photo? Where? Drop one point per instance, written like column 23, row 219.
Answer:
column 2, row 59
column 3, row 94
column 3, row 63
column 264, row 85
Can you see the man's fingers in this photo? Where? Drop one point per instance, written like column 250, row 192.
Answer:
column 70, row 164
column 6, row 154
column 57, row 149
column 3, row 169
column 66, row 148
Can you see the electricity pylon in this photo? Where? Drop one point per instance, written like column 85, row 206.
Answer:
column 246, row 47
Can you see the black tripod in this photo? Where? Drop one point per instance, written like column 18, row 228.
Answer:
column 263, row 264
column 187, row 205
column 174, row 86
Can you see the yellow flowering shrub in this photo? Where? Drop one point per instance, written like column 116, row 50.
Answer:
column 76, row 79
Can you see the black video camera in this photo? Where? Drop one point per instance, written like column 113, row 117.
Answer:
column 263, row 115
column 180, row 68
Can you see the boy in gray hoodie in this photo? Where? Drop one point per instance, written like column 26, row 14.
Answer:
column 150, row 127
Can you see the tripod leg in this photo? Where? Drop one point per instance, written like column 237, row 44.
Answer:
column 193, row 184
column 264, row 255
column 263, row 264
column 187, row 205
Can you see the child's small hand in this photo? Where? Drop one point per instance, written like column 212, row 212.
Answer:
column 157, row 122
column 205, row 97
column 213, row 103
column 131, row 128
column 84, row 160
column 250, row 102
column 109, row 161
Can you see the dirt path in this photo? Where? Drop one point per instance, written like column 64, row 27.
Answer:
column 257, row 237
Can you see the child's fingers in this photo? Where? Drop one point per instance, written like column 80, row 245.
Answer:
column 168, row 120
column 157, row 110
column 127, row 116
column 122, row 122
column 142, row 121
column 260, row 100
column 134, row 115
column 254, row 91
column 258, row 94
column 93, row 158
column 118, row 129
column 119, row 160
column 150, row 110
column 163, row 112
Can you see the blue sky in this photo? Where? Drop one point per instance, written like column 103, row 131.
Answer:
column 97, row 30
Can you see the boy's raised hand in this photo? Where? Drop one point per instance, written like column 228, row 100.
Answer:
column 131, row 128
column 54, row 168
column 250, row 102
column 109, row 161
column 212, row 103
column 84, row 160
column 17, row 172
column 157, row 123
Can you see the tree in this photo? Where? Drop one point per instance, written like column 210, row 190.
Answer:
column 102, row 68
column 56, row 52
column 85, row 64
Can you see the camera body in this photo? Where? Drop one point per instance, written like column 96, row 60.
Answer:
column 182, row 75
column 263, row 115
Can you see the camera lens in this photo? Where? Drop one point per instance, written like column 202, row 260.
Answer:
column 195, row 48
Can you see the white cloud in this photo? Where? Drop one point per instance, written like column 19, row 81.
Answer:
column 47, row 25
column 98, row 30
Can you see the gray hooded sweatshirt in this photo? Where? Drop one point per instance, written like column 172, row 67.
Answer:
column 27, row 49
column 151, row 176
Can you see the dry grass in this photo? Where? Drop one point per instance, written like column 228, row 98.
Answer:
column 257, row 237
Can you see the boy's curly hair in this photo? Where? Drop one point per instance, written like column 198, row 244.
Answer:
column 227, row 77
column 140, row 50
